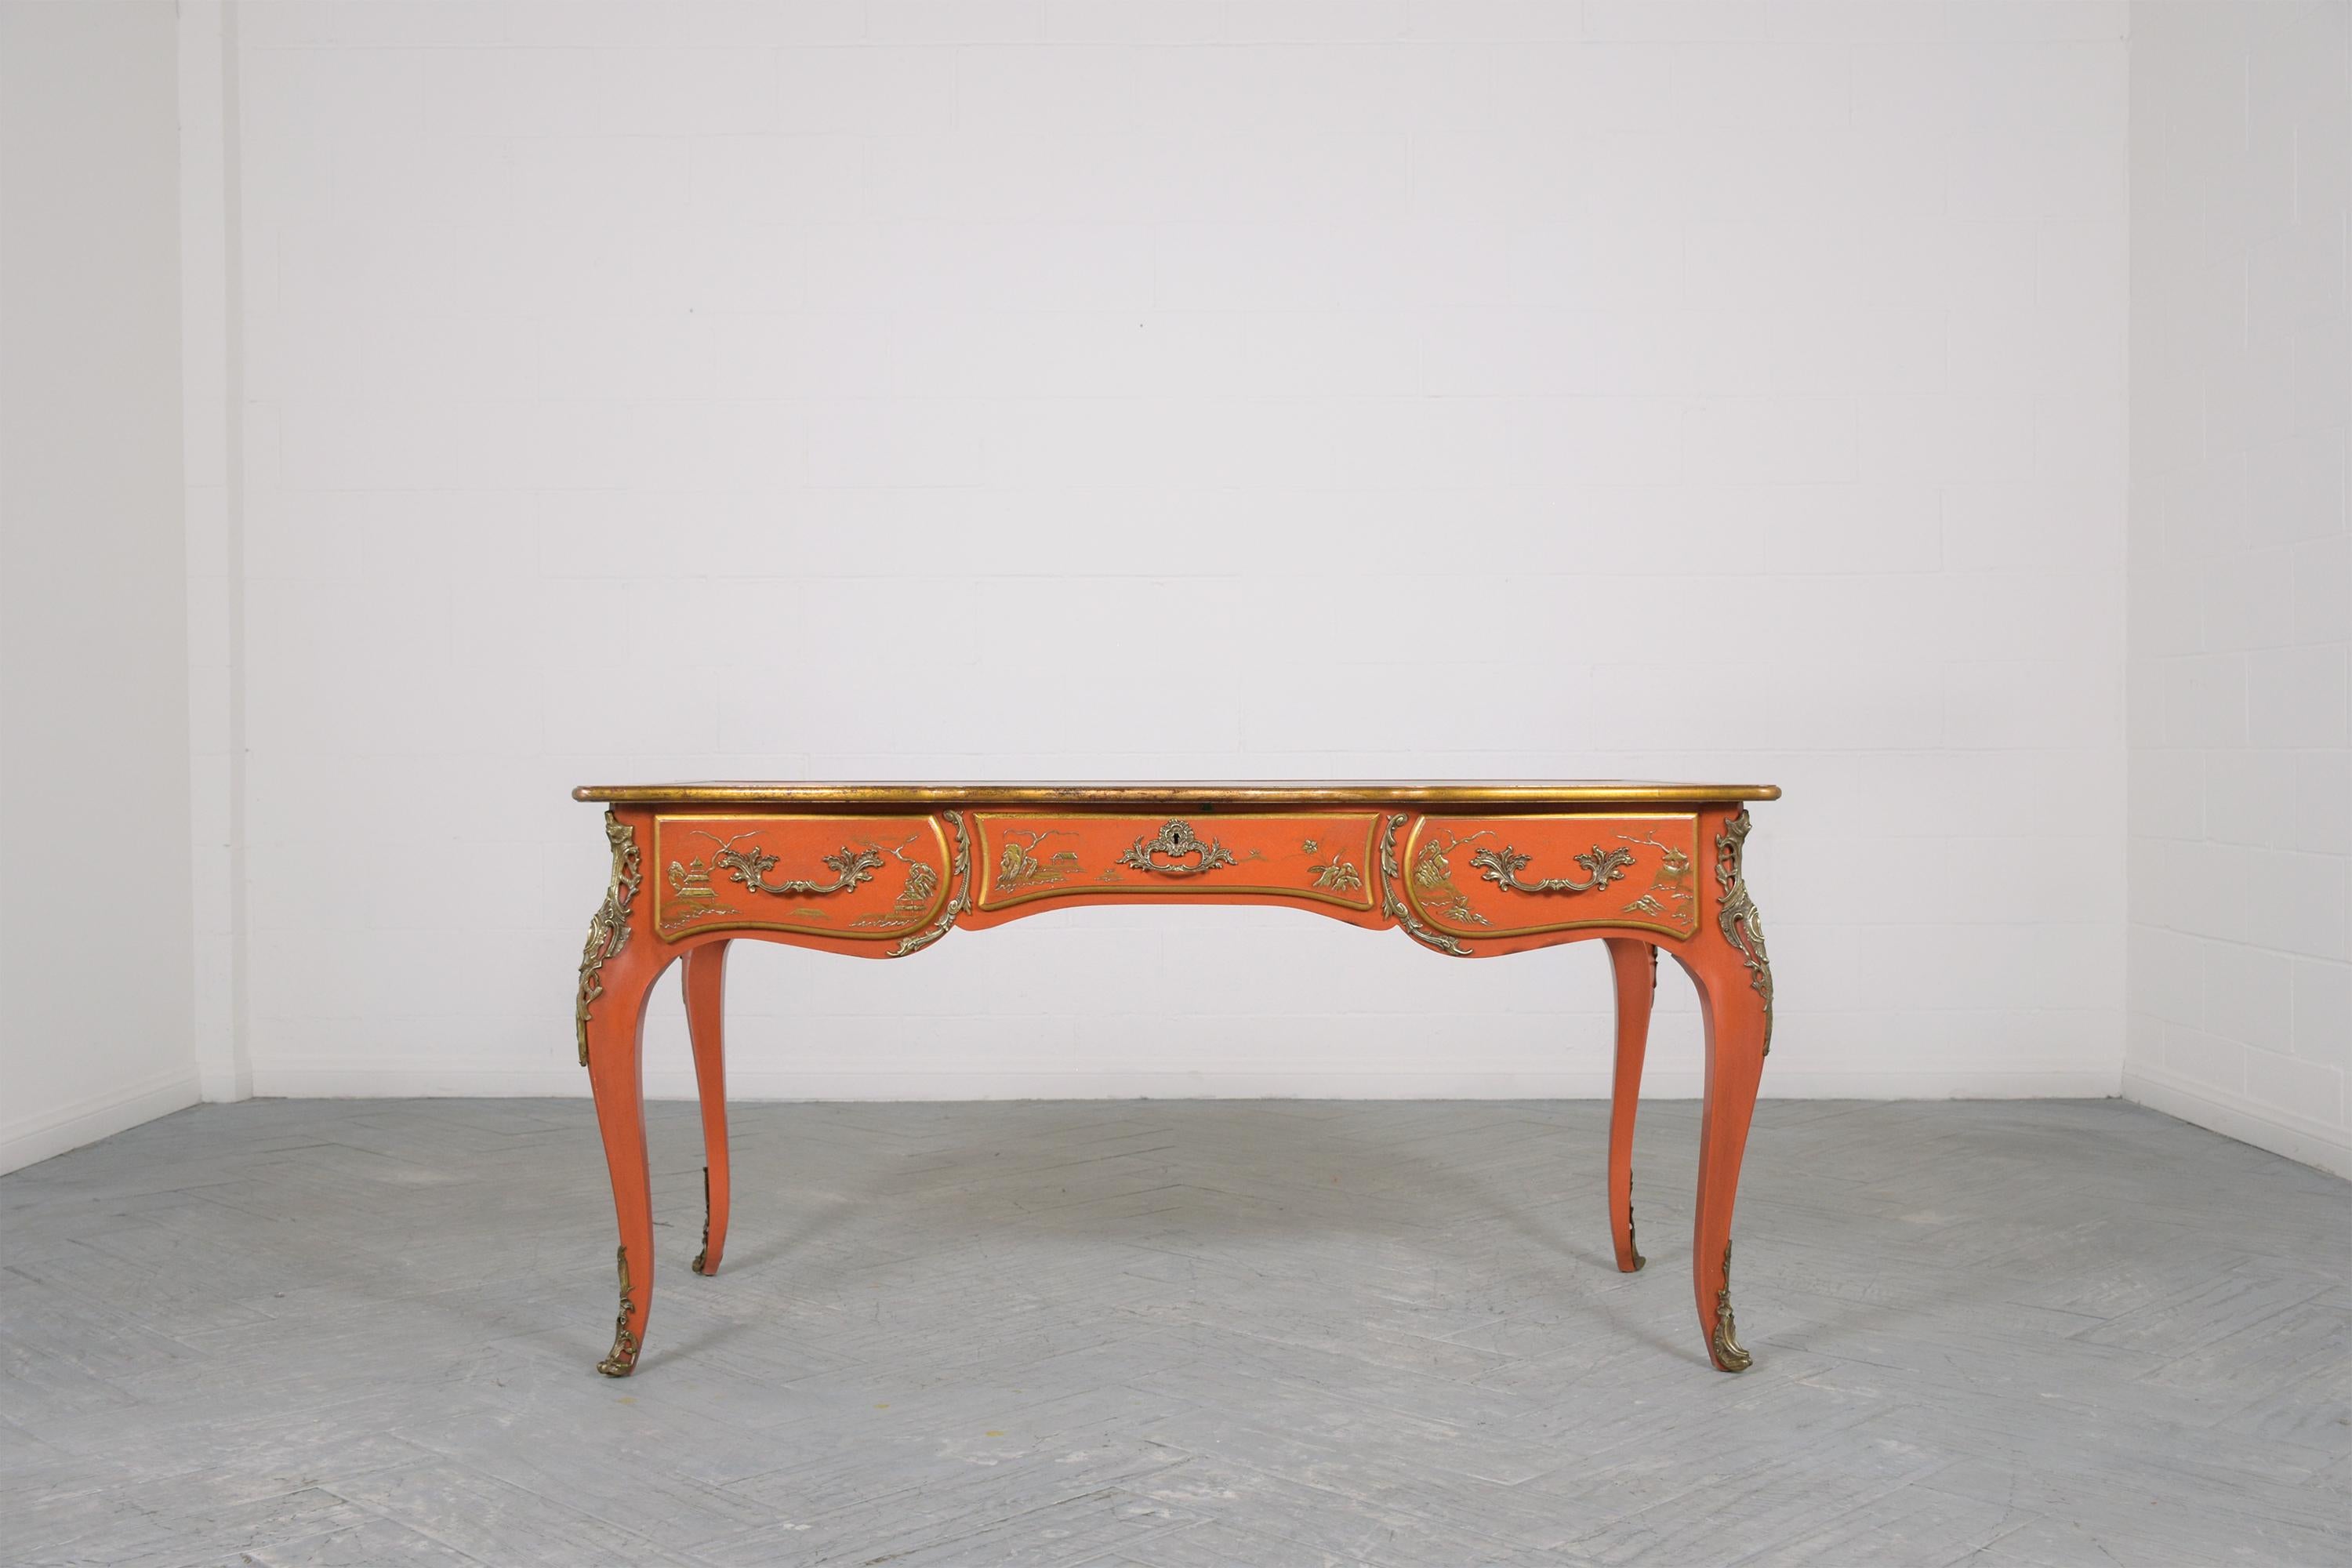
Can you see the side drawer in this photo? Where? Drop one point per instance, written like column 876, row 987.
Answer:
column 853, row 878
column 1522, row 876
column 1328, row 857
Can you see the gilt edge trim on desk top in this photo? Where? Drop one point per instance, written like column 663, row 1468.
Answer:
column 1242, row 792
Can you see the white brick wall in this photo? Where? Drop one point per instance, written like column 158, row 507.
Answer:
column 96, row 939
column 1190, row 389
column 2240, row 994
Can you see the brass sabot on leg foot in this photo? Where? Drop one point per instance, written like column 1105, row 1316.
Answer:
column 1631, row 1247
column 623, row 1360
column 1729, row 1355
column 699, row 1257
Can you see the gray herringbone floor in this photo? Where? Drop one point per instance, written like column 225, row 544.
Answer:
column 1173, row 1333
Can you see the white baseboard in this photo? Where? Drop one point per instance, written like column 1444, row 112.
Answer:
column 30, row 1138
column 222, row 1086
column 2234, row 1116
column 408, row 1080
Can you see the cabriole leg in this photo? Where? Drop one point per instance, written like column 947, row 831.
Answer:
column 1735, row 988
column 706, row 987
column 615, row 1051
column 1734, row 1064
column 617, row 969
column 1634, row 966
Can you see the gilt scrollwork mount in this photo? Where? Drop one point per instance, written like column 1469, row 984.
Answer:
column 1742, row 927
column 608, row 927
column 1393, row 904
column 959, row 876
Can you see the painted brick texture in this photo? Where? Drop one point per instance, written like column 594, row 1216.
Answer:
column 2240, row 991
column 1195, row 390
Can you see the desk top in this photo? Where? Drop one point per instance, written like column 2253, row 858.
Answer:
column 1189, row 792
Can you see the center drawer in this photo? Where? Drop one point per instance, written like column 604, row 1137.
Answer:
column 1328, row 857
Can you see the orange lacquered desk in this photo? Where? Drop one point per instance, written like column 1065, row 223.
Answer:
column 1471, row 871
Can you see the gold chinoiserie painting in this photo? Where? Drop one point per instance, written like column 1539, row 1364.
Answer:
column 1317, row 857
column 1527, row 876
column 849, row 877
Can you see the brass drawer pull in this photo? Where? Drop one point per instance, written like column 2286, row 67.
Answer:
column 1501, row 867
column 1178, row 842
column 850, row 867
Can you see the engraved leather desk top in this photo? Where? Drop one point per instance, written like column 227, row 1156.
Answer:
column 1188, row 792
